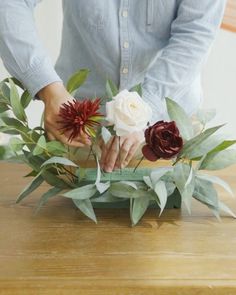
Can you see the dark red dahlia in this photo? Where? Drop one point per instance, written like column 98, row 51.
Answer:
column 78, row 117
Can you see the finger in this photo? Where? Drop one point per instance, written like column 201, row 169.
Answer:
column 124, row 150
column 113, row 154
column 105, row 149
column 50, row 136
column 61, row 137
column 130, row 155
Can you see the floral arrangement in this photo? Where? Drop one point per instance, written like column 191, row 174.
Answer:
column 189, row 152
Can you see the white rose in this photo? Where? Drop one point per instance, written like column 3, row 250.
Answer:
column 128, row 112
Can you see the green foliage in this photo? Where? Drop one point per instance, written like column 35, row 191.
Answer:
column 111, row 89
column 138, row 89
column 183, row 122
column 17, row 108
column 77, row 80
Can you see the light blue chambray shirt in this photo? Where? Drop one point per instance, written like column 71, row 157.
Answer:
column 160, row 43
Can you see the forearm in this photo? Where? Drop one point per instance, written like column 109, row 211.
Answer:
column 20, row 47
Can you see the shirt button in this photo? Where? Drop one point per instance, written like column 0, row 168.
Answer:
column 125, row 13
column 126, row 45
column 125, row 70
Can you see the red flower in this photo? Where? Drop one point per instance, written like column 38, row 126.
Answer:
column 79, row 117
column 162, row 141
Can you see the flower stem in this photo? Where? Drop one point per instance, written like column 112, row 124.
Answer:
column 119, row 156
column 138, row 164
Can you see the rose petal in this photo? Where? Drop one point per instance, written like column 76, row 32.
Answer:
column 149, row 154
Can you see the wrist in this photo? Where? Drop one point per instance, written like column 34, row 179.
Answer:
column 53, row 91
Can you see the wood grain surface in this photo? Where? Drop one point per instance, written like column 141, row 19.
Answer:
column 60, row 251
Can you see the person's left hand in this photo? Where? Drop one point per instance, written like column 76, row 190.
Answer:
column 118, row 151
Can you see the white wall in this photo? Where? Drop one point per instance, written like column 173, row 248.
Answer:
column 219, row 75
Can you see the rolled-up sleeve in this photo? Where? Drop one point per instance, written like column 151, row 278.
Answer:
column 180, row 61
column 20, row 47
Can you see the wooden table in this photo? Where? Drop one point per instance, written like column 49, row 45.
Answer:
column 62, row 252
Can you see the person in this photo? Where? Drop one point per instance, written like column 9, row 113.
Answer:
column 159, row 43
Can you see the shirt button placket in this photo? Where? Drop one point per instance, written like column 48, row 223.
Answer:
column 124, row 44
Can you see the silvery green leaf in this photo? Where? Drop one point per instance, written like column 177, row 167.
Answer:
column 86, row 207
column 56, row 147
column 41, row 146
column 219, row 160
column 156, row 174
column 16, row 144
column 130, row 183
column 25, row 99
column 17, row 108
column 77, row 79
column 138, row 89
column 206, row 193
column 33, row 185
column 46, row 196
column 216, row 180
column 148, row 181
column 194, row 143
column 98, row 178
column 122, row 190
column 81, row 193
column 59, row 160
column 139, row 207
column 226, row 209
column 178, row 114
column 111, row 88
column 184, row 180
column 102, row 187
column 160, row 190
column 205, row 147
column 106, row 197
column 205, row 115
column 170, row 187
column 106, row 134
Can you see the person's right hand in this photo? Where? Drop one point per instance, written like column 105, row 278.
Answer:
column 53, row 96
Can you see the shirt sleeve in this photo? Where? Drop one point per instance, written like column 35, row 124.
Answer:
column 20, row 47
column 180, row 61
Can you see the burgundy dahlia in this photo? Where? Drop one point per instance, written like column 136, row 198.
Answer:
column 162, row 141
column 79, row 117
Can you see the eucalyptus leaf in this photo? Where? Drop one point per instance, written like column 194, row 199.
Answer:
column 3, row 107
column 102, row 187
column 205, row 192
column 85, row 206
column 16, row 144
column 25, row 99
column 56, row 148
column 158, row 173
column 196, row 141
column 184, row 180
column 59, row 160
column 139, row 207
column 17, row 108
column 106, row 197
column 160, row 190
column 106, row 134
column 54, row 180
column 205, row 115
column 46, row 196
column 122, row 190
column 111, row 89
column 216, row 180
column 15, row 124
column 138, row 88
column 219, row 160
column 77, row 80
column 34, row 184
column 81, row 193
column 226, row 209
column 183, row 122
column 41, row 146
